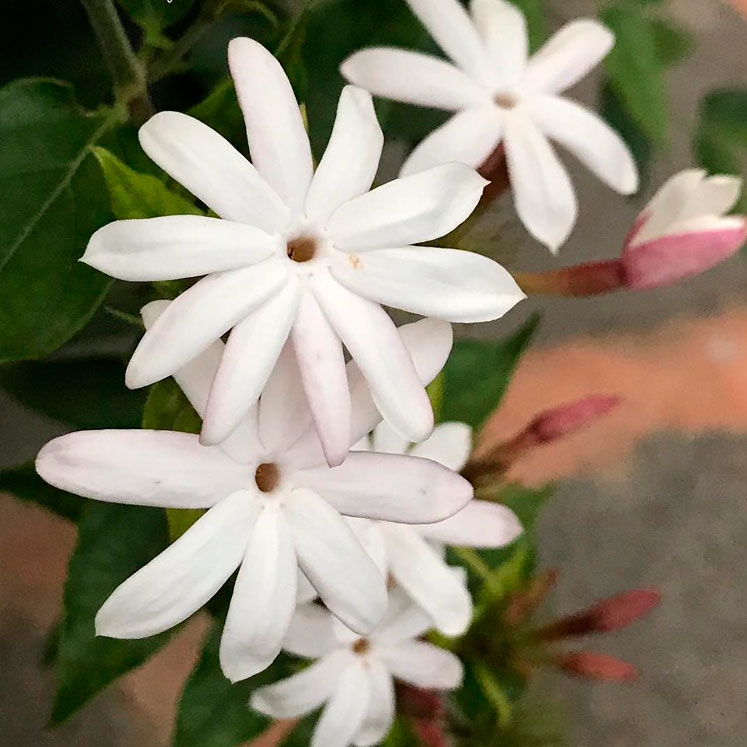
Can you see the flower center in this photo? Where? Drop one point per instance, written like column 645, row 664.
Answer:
column 361, row 646
column 267, row 477
column 302, row 248
column 505, row 100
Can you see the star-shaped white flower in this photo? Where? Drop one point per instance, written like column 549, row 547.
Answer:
column 274, row 505
column 354, row 675
column 501, row 95
column 414, row 555
column 310, row 255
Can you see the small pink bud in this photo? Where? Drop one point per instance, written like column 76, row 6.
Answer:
column 570, row 417
column 596, row 666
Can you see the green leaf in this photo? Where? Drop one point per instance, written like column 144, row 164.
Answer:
column 477, row 373
column 25, row 484
column 673, row 43
column 53, row 200
column 220, row 110
column 80, row 392
column 113, row 542
column 156, row 15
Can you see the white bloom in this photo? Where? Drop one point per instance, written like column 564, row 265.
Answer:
column 354, row 675
column 414, row 555
column 310, row 255
column 273, row 506
column 503, row 96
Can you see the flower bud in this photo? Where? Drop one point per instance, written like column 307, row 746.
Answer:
column 596, row 666
column 570, row 417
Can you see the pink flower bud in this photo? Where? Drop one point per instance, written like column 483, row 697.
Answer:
column 570, row 417
column 596, row 666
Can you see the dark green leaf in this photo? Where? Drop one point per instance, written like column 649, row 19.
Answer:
column 220, row 110
column 113, row 542
column 673, row 43
column 54, row 198
column 156, row 15
column 24, row 483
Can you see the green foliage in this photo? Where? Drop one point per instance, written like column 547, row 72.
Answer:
column 220, row 110
column 25, row 484
column 534, row 10
column 154, row 16
column 113, row 542
column 53, row 200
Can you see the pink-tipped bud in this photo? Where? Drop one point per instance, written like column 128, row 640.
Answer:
column 570, row 417
column 596, row 666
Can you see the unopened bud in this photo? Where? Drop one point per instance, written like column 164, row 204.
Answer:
column 596, row 666
column 524, row 602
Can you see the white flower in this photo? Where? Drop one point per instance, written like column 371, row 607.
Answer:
column 354, row 675
column 274, row 506
column 414, row 555
column 502, row 95
column 310, row 255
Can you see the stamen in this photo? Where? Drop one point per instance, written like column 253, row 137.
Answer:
column 506, row 100
column 267, row 477
column 301, row 249
column 361, row 646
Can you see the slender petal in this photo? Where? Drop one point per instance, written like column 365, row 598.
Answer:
column 212, row 170
column 347, row 580
column 409, row 210
column 380, row 712
column 184, row 576
column 351, row 159
column 430, row 81
column 311, row 632
column 345, row 711
column 449, row 284
column 251, row 352
column 388, row 441
column 199, row 317
column 450, row 444
column 478, row 524
column 278, row 141
column 428, row 580
column 469, row 137
column 392, row 487
column 423, row 665
column 372, row 339
column 404, row 620
column 543, row 193
column 371, row 538
column 322, row 371
column 589, row 138
column 306, row 592
column 140, row 467
column 567, row 57
column 263, row 600
column 175, row 246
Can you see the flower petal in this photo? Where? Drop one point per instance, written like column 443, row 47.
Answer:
column 431, row 583
column 388, row 441
column 392, row 487
column 380, row 712
column 303, row 692
column 404, row 620
column 479, row 524
column 469, row 137
column 374, row 343
column 430, row 81
column 449, row 284
column 347, row 580
column 371, row 538
column 409, row 210
column 543, row 192
column 589, row 138
column 423, row 665
column 263, row 600
column 306, row 592
column 278, row 141
column 345, row 711
column 567, row 57
column 140, row 467
column 311, row 632
column 450, row 444
column 212, row 170
column 323, row 377
column 184, row 576
column 351, row 159
column 199, row 317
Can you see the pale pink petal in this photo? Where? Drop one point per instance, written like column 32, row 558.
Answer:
column 423, row 665
column 479, row 524
column 450, row 444
column 345, row 711
column 380, row 712
column 388, row 441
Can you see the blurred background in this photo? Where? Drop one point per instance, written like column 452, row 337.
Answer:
column 651, row 495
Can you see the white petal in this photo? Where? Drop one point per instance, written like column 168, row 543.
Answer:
column 184, row 576
column 409, row 210
column 404, row 620
column 716, row 195
column 423, row 665
column 589, row 138
column 478, row 524
column 428, row 580
column 347, row 580
column 306, row 592
column 452, row 28
column 199, row 317
column 212, row 170
column 429, row 81
column 388, row 441
column 380, row 712
column 374, row 343
column 567, row 57
column 469, row 137
column 543, row 192
column 251, row 352
column 140, row 467
column 311, row 632
column 303, row 692
column 351, row 159
column 278, row 141
column 175, row 246
column 449, row 284
column 322, row 372
column 263, row 600
column 345, row 711
column 392, row 487
column 503, row 30
column 450, row 444
column 371, row 537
